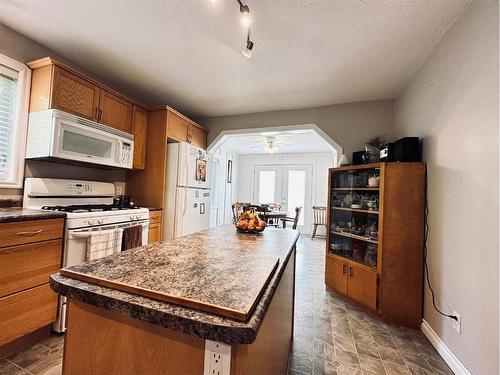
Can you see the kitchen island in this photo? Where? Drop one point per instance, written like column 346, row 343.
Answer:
column 216, row 300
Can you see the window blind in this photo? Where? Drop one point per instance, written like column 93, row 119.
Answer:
column 8, row 111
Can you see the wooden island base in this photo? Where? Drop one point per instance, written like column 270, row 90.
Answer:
column 100, row 342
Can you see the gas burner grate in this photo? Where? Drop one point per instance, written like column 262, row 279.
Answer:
column 79, row 208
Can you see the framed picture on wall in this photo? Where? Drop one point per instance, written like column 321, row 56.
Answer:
column 229, row 171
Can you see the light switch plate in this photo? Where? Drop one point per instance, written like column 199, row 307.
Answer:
column 119, row 188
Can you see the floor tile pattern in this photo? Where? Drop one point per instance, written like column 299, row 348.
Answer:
column 332, row 337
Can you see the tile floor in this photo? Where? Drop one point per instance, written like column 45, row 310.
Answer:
column 331, row 337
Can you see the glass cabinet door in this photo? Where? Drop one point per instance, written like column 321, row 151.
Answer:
column 354, row 200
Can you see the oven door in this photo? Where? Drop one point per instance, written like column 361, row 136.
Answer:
column 74, row 141
column 75, row 252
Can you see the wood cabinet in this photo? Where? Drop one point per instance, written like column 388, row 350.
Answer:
column 374, row 250
column 197, row 136
column 164, row 125
column 139, row 131
column 56, row 86
column 73, row 94
column 29, row 252
column 115, row 111
column 155, row 226
column 182, row 129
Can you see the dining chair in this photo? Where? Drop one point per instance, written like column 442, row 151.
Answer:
column 293, row 220
column 238, row 208
column 319, row 218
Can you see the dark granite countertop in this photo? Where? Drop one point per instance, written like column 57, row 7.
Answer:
column 13, row 214
column 154, row 208
column 240, row 253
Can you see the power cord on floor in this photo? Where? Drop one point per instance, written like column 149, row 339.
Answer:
column 426, row 266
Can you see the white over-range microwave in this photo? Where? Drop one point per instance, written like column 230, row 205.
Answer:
column 54, row 134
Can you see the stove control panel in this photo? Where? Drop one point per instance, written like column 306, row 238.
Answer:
column 78, row 188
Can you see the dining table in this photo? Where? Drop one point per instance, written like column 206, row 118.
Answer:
column 274, row 215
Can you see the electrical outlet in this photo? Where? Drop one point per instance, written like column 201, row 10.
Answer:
column 457, row 324
column 217, row 358
column 119, row 188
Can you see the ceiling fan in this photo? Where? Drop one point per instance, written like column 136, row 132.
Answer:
column 272, row 143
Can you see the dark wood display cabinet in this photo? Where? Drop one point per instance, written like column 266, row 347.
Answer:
column 374, row 250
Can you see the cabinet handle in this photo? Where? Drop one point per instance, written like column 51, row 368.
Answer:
column 343, row 268
column 30, row 233
column 100, row 115
column 96, row 117
column 350, row 271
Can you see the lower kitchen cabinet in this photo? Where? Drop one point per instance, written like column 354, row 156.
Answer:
column 30, row 251
column 155, row 226
column 356, row 281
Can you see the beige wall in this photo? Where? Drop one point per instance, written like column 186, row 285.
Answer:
column 452, row 102
column 350, row 125
column 19, row 47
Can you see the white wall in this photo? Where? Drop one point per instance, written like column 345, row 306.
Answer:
column 452, row 103
column 225, row 193
column 320, row 162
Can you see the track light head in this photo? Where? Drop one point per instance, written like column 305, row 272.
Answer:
column 247, row 52
column 246, row 20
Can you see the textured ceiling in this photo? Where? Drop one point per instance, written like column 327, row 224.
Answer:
column 288, row 142
column 186, row 53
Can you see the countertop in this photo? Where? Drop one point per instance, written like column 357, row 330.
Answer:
column 13, row 214
column 220, row 247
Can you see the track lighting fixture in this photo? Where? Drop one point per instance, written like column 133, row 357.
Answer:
column 246, row 20
column 247, row 52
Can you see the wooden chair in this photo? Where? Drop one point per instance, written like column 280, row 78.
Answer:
column 238, row 208
column 293, row 220
column 319, row 218
column 274, row 222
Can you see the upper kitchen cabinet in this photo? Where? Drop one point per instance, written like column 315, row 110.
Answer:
column 182, row 129
column 139, row 131
column 56, row 86
column 115, row 111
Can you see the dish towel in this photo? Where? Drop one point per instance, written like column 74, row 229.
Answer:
column 132, row 237
column 102, row 243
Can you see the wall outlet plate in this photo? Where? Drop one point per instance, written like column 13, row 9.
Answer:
column 217, row 358
column 457, row 324
column 119, row 188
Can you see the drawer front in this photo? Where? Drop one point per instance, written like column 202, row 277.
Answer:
column 24, row 312
column 154, row 217
column 26, row 266
column 23, row 232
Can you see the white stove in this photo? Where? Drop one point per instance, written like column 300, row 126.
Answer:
column 89, row 207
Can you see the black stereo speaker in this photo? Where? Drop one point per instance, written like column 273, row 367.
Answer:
column 406, row 149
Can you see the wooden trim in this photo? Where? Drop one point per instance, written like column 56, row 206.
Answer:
column 355, row 167
column 182, row 301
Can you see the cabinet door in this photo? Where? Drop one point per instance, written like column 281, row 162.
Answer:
column 154, row 233
column 139, row 131
column 177, row 127
column 336, row 274
column 115, row 111
column 362, row 285
column 197, row 137
column 74, row 94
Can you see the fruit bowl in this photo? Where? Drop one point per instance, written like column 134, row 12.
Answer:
column 249, row 222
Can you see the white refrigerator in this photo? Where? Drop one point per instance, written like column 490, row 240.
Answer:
column 188, row 190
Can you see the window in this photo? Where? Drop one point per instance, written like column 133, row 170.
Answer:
column 266, row 187
column 14, row 96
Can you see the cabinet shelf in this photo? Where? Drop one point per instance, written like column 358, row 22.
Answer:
column 356, row 188
column 354, row 236
column 356, row 210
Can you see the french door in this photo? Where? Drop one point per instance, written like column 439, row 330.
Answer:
column 287, row 185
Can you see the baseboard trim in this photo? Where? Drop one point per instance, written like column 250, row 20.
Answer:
column 449, row 357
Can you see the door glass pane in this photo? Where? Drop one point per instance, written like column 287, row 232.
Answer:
column 267, row 186
column 82, row 144
column 296, row 193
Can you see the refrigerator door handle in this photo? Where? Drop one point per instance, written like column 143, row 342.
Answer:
column 202, row 208
column 185, row 203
